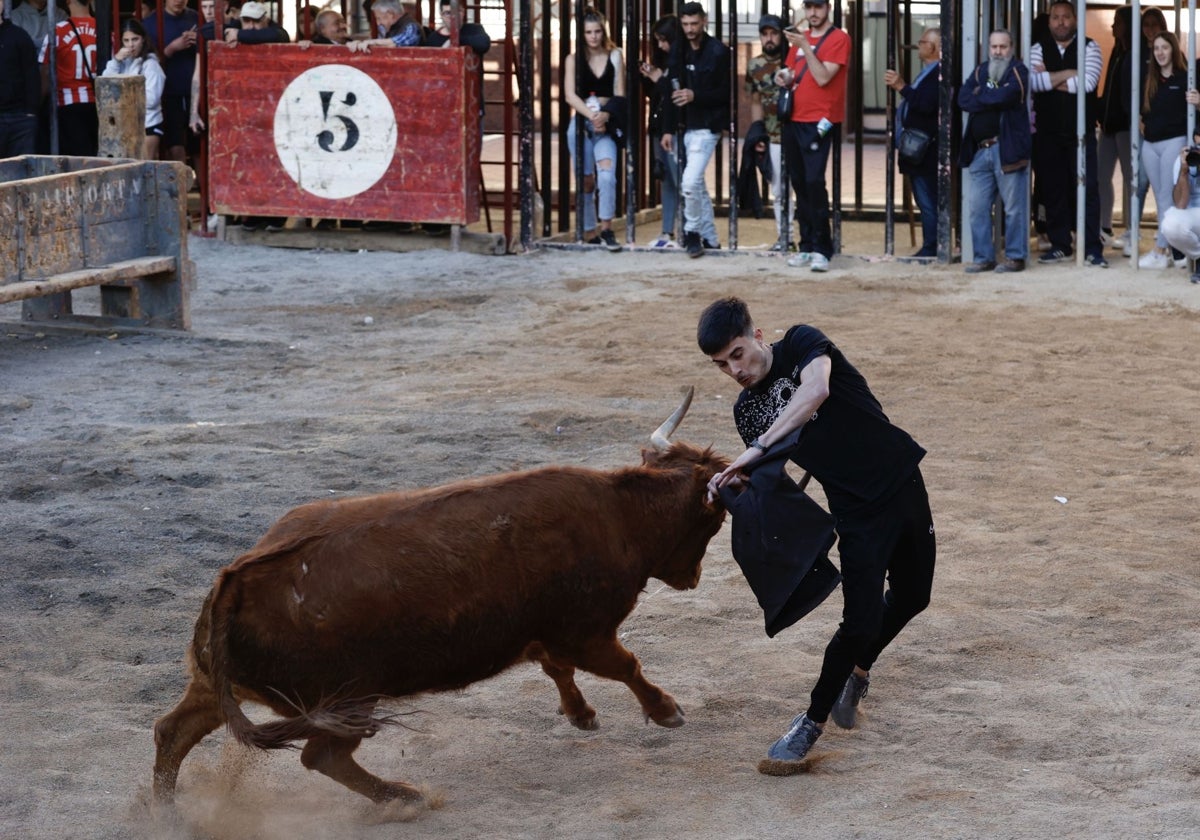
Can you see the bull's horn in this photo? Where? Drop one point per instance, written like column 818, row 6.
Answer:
column 661, row 437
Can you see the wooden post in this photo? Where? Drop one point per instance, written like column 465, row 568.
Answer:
column 121, row 103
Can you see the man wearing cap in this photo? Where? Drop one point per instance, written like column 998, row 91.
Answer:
column 995, row 149
column 257, row 27
column 813, row 70
column 764, row 101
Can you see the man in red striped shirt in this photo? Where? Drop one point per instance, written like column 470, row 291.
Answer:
column 75, row 71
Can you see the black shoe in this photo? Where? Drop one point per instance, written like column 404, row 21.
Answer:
column 693, row 243
column 711, row 246
column 1096, row 260
column 926, row 252
column 253, row 223
column 845, row 710
column 610, row 240
column 276, row 224
column 435, row 229
column 979, row 267
column 1010, row 266
column 1054, row 255
column 595, row 240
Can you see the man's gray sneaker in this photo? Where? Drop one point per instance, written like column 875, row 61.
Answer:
column 797, row 741
column 845, row 710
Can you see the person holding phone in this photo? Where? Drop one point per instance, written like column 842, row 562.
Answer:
column 814, row 69
column 180, row 36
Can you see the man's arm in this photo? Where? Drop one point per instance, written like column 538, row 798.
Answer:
column 756, row 107
column 813, row 391
column 1183, row 184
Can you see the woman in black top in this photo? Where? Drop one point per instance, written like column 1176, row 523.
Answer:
column 1164, row 131
column 656, row 84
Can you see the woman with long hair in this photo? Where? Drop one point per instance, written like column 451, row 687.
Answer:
column 587, row 88
column 1164, row 132
column 656, row 84
column 137, row 57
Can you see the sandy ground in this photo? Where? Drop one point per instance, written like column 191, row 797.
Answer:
column 1049, row 690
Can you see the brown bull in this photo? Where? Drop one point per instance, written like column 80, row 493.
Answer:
column 344, row 603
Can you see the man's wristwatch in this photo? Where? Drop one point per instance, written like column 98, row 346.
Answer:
column 759, row 445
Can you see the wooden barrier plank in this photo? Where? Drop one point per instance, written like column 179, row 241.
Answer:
column 120, row 272
column 392, row 135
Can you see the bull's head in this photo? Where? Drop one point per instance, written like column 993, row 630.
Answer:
column 694, row 519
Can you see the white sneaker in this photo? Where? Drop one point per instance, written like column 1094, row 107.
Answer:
column 800, row 260
column 820, row 262
column 663, row 242
column 1154, row 259
column 1121, row 241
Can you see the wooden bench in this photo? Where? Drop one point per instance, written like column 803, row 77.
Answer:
column 117, row 224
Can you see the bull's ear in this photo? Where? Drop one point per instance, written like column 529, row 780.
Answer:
column 650, row 457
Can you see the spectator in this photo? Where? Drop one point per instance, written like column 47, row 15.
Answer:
column 1053, row 62
column 814, row 71
column 257, row 27
column 208, row 11
column 180, row 35
column 1153, row 22
column 700, row 64
column 588, row 88
column 20, row 90
column 1164, row 121
column 656, row 85
column 1181, row 222
column 996, row 147
column 331, row 30
column 1113, row 144
column 395, row 25
column 919, row 110
column 75, row 90
column 137, row 58
column 32, row 16
column 469, row 34
column 764, row 102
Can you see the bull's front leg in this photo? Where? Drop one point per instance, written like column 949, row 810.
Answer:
column 571, row 702
column 606, row 657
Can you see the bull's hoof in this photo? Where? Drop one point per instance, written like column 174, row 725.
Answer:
column 586, row 721
column 673, row 721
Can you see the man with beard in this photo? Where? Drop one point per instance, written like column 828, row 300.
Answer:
column 996, row 149
column 815, row 72
column 700, row 64
column 1054, row 82
column 764, row 102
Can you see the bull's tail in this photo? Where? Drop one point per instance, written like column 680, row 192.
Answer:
column 342, row 717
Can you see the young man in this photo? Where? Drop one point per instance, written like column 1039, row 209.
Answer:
column 868, row 469
column 814, row 70
column 74, row 45
column 700, row 64
column 180, row 35
column 20, row 90
column 764, row 105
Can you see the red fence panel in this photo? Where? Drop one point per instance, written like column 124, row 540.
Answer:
column 392, row 135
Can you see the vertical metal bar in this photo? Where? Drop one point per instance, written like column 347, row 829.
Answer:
column 1191, row 69
column 525, row 104
column 718, row 192
column 1133, row 228
column 580, row 124
column 889, row 181
column 546, row 103
column 1081, row 127
column 858, row 15
column 733, row 125
column 633, row 134
column 949, row 13
column 837, row 128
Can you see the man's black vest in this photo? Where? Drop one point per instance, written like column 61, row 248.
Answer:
column 1055, row 109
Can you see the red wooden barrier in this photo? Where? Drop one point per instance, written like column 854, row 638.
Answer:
column 392, row 135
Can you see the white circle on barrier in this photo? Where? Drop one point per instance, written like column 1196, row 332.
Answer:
column 335, row 131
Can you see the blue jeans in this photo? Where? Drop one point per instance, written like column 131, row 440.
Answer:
column 700, row 143
column 670, row 185
column 597, row 148
column 986, row 180
column 924, row 189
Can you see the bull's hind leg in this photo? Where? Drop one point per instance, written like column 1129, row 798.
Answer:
column 609, row 658
column 331, row 755
column 571, row 702
column 196, row 715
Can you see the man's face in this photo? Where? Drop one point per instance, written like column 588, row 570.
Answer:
column 771, row 39
column 208, row 8
column 333, row 27
column 693, row 27
column 174, row 7
column 816, row 14
column 929, row 47
column 745, row 359
column 251, row 23
column 447, row 17
column 385, row 18
column 1062, row 22
column 1000, row 46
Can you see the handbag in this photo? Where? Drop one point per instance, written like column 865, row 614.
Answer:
column 912, row 145
column 785, row 103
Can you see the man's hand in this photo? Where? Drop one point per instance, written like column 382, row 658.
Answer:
column 683, row 96
column 893, row 80
column 733, row 473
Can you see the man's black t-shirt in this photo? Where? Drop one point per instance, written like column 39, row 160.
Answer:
column 848, row 445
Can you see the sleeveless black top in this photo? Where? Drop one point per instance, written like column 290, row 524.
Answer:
column 602, row 85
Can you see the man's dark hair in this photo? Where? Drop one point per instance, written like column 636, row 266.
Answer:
column 721, row 322
column 691, row 10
